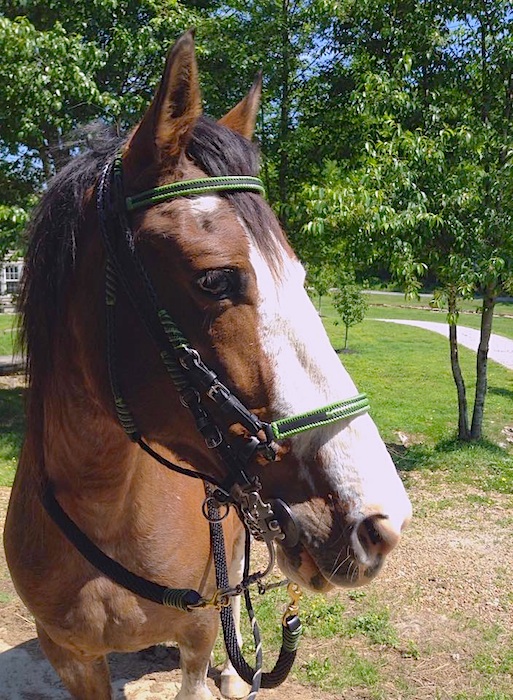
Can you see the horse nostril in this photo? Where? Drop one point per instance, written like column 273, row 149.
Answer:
column 371, row 530
column 373, row 538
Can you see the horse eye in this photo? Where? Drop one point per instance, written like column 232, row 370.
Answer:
column 218, row 283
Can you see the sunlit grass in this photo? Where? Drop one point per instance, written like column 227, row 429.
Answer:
column 347, row 670
column 407, row 374
column 11, row 432
column 7, row 333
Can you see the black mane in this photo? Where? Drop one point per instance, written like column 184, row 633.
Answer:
column 51, row 248
column 56, row 220
column 220, row 151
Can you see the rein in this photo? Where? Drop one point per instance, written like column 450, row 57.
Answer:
column 199, row 389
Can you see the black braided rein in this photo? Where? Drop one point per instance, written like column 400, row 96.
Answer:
column 291, row 630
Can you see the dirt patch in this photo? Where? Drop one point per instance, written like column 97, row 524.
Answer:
column 12, row 381
column 448, row 590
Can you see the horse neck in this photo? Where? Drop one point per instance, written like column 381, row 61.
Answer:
column 86, row 452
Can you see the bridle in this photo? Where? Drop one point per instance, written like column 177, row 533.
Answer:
column 200, row 390
column 193, row 380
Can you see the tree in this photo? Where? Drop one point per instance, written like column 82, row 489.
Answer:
column 431, row 188
column 321, row 279
column 64, row 64
column 351, row 306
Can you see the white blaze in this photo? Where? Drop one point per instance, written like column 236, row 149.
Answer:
column 205, row 204
column 308, row 375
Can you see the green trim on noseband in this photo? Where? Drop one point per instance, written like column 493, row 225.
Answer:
column 292, row 637
column 197, row 186
column 178, row 598
column 286, row 427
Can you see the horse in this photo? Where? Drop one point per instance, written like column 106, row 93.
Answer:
column 109, row 404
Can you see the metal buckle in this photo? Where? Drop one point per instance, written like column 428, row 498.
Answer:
column 189, row 397
column 189, row 356
column 220, row 599
column 217, row 388
column 258, row 515
column 214, row 439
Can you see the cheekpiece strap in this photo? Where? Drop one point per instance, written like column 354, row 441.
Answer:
column 184, row 188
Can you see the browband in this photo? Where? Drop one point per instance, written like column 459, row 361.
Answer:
column 197, row 186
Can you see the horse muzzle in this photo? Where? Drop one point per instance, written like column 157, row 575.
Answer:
column 349, row 557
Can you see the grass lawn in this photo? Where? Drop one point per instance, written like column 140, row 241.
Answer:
column 404, row 370
column 7, row 333
column 11, row 428
column 406, row 373
column 11, row 406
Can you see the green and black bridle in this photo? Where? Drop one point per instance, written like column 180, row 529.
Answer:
column 200, row 390
column 182, row 361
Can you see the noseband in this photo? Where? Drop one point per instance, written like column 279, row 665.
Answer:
column 200, row 390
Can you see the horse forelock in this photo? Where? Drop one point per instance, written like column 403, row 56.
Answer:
column 220, row 151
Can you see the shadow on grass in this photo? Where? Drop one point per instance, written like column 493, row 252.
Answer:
column 12, row 429
column 500, row 391
column 446, row 454
column 346, row 351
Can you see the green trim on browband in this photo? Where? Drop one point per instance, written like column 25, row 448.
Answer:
column 197, row 186
column 286, row 427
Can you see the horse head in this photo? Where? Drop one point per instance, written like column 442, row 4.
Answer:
column 224, row 272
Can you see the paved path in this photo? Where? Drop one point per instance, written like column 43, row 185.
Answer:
column 501, row 348
column 11, row 364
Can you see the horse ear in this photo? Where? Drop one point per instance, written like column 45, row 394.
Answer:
column 242, row 118
column 167, row 125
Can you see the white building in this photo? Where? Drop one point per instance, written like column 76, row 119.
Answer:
column 10, row 278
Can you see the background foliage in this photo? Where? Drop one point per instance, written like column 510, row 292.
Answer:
column 385, row 126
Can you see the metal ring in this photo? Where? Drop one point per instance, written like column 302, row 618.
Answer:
column 190, row 353
column 215, row 505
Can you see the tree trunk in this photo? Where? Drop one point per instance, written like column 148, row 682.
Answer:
column 489, row 299
column 489, row 295
column 46, row 160
column 347, row 333
column 463, row 427
column 283, row 166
